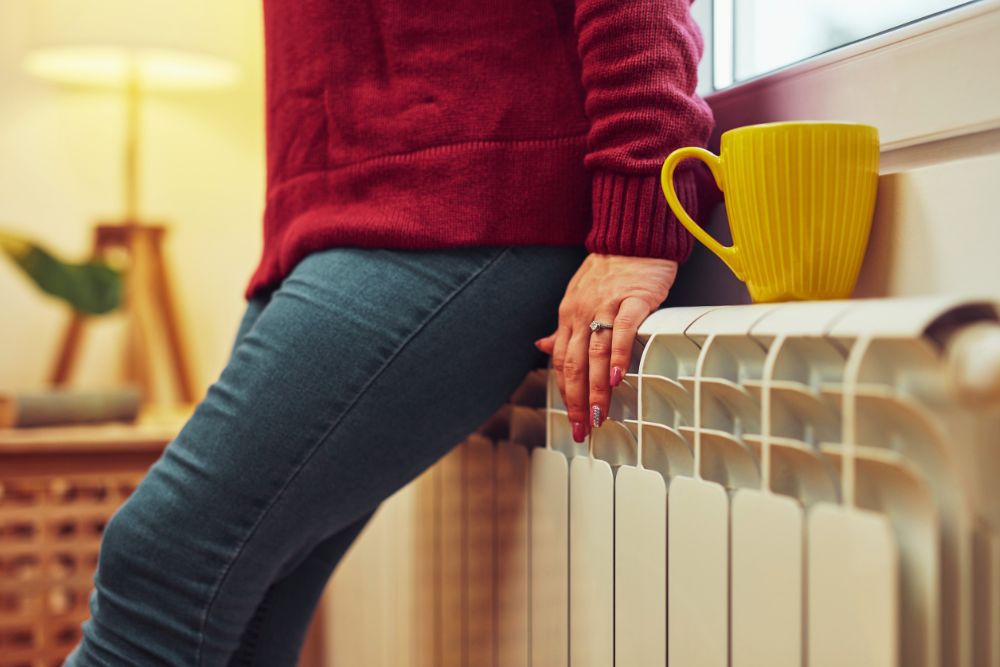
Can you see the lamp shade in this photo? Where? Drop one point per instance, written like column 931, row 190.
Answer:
column 110, row 43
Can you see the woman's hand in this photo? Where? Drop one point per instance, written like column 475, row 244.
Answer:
column 616, row 289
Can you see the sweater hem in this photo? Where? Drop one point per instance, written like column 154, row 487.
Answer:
column 516, row 192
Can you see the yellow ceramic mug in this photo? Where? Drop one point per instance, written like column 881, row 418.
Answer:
column 800, row 198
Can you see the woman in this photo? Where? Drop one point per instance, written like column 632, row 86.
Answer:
column 447, row 182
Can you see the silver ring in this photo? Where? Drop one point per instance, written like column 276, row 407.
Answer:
column 595, row 325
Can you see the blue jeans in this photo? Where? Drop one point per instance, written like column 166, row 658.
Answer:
column 361, row 370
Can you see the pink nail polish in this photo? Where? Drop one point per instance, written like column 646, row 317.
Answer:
column 616, row 376
column 578, row 431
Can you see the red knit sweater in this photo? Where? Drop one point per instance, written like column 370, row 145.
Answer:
column 437, row 123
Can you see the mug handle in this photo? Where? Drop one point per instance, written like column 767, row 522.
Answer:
column 727, row 254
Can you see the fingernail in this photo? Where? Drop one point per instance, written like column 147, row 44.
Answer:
column 595, row 412
column 616, row 376
column 578, row 431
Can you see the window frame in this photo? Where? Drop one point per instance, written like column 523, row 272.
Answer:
column 874, row 80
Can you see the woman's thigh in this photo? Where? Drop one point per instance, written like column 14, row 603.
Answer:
column 364, row 368
column 254, row 307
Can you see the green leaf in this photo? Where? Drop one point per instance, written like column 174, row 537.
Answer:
column 92, row 287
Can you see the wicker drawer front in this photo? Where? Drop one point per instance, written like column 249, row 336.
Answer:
column 58, row 489
column 50, row 534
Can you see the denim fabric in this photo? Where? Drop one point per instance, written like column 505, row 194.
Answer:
column 362, row 369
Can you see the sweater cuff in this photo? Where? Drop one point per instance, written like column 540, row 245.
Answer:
column 632, row 217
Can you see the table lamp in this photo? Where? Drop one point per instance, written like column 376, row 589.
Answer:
column 133, row 48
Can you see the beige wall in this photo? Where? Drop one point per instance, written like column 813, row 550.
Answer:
column 202, row 171
column 934, row 231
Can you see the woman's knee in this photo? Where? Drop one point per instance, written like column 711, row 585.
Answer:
column 145, row 601
column 118, row 561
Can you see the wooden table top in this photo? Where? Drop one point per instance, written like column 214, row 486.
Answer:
column 153, row 429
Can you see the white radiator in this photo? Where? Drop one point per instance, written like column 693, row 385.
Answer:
column 791, row 484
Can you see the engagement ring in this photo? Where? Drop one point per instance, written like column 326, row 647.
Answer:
column 595, row 325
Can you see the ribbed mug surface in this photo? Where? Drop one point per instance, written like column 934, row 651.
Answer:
column 800, row 197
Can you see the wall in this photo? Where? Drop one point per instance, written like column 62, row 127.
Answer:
column 202, row 172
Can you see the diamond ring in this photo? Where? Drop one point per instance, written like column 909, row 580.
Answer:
column 595, row 325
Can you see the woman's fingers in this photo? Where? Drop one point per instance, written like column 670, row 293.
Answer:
column 599, row 287
column 631, row 313
column 599, row 363
column 559, row 358
column 576, row 378
column 588, row 365
column 546, row 343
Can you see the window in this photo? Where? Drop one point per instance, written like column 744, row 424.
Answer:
column 747, row 38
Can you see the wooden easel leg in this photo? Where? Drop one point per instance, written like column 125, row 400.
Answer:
column 145, row 313
column 165, row 304
column 67, row 350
